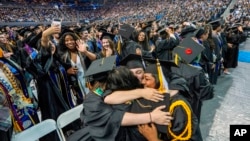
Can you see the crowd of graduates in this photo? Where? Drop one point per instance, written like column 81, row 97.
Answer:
column 152, row 73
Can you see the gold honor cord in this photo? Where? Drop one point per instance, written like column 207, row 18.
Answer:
column 187, row 132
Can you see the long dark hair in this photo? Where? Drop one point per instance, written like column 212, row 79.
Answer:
column 145, row 43
column 111, row 44
column 122, row 78
column 210, row 40
column 62, row 45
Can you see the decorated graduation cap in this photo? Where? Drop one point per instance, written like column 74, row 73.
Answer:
column 126, row 31
column 99, row 68
column 133, row 61
column 188, row 49
column 107, row 35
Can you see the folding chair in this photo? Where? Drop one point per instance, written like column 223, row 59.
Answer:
column 68, row 117
column 37, row 131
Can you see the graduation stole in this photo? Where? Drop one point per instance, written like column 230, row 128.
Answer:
column 21, row 107
column 30, row 51
column 60, row 82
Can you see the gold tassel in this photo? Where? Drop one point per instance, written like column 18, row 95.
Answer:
column 119, row 47
column 162, row 80
column 176, row 59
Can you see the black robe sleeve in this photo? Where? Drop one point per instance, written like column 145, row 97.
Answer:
column 102, row 120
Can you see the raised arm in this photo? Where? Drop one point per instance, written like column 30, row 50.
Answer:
column 119, row 97
column 47, row 33
column 82, row 47
column 157, row 116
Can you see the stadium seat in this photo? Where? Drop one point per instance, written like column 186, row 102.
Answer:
column 68, row 117
column 37, row 131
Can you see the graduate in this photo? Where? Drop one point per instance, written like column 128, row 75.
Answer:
column 141, row 105
column 200, row 88
column 105, row 122
column 184, row 126
column 216, row 28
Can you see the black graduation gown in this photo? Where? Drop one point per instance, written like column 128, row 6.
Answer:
column 103, row 122
column 200, row 88
column 129, row 47
column 218, row 53
column 232, row 54
column 207, row 59
column 165, row 47
column 52, row 99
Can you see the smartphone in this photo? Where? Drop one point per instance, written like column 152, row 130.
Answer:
column 56, row 22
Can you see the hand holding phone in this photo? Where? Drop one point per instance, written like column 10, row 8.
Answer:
column 56, row 22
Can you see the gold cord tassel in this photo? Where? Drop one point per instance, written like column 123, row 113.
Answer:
column 176, row 59
column 163, row 83
column 119, row 47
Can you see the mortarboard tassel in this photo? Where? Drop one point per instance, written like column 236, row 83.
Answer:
column 176, row 59
column 119, row 47
column 163, row 83
column 187, row 132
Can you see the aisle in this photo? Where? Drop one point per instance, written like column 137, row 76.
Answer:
column 231, row 104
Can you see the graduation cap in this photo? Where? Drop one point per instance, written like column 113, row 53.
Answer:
column 126, row 31
column 107, row 35
column 142, row 105
column 188, row 49
column 216, row 23
column 99, row 68
column 67, row 30
column 132, row 61
column 36, row 27
column 199, row 32
column 24, row 31
column 151, row 65
column 33, row 39
column 162, row 31
column 187, row 31
column 233, row 28
column 80, row 29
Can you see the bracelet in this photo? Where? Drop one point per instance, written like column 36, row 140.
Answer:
column 150, row 117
